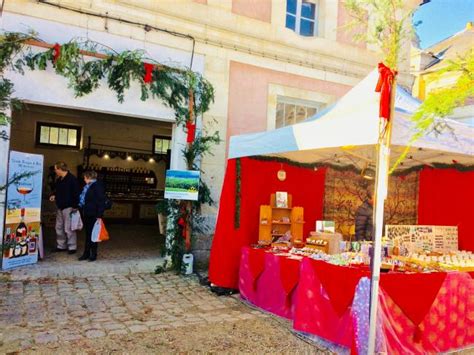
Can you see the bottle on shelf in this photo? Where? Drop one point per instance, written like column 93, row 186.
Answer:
column 21, row 229
column 32, row 242
column 8, row 240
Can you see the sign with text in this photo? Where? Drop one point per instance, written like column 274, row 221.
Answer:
column 441, row 239
column 182, row 184
column 23, row 210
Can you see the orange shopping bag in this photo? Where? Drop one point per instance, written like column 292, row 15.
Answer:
column 99, row 232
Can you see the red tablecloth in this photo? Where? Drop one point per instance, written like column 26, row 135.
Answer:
column 448, row 325
column 270, row 292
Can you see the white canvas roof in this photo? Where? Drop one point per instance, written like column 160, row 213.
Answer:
column 347, row 132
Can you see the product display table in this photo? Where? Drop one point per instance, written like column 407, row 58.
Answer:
column 418, row 312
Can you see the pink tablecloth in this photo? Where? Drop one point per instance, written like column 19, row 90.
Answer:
column 314, row 313
column 269, row 293
column 449, row 325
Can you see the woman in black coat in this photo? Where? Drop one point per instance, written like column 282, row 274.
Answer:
column 92, row 205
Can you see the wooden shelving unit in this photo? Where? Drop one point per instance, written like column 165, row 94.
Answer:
column 276, row 221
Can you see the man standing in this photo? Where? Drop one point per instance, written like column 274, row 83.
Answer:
column 66, row 195
column 363, row 220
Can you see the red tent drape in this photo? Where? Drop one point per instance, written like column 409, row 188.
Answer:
column 258, row 181
column 446, row 198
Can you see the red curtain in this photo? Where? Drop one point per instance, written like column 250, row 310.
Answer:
column 446, row 198
column 258, row 181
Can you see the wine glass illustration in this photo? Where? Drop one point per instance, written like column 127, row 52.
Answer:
column 25, row 186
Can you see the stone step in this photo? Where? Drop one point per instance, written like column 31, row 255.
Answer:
column 50, row 269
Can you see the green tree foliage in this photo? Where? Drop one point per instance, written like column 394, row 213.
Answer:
column 441, row 103
column 388, row 25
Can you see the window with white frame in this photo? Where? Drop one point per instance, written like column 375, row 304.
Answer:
column 301, row 17
column 290, row 111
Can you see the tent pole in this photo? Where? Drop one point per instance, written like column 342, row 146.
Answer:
column 381, row 189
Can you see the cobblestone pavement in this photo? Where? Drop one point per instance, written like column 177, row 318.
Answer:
column 47, row 311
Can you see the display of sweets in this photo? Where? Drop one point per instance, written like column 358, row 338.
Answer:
column 306, row 251
column 455, row 260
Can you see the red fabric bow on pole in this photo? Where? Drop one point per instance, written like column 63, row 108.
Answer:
column 190, row 124
column 147, row 78
column 384, row 86
column 56, row 52
column 191, row 127
column 184, row 232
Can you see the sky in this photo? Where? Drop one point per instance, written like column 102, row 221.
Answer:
column 441, row 19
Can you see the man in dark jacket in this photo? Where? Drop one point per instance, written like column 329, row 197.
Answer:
column 66, row 196
column 363, row 220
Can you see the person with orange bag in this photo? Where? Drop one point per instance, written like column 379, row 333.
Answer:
column 92, row 205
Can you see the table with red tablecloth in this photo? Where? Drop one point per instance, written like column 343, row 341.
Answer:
column 269, row 281
column 417, row 312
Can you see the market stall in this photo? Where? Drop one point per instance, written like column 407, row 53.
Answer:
column 298, row 160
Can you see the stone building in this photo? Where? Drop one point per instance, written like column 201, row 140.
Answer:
column 272, row 63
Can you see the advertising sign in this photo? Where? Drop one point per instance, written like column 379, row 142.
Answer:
column 182, row 184
column 23, row 210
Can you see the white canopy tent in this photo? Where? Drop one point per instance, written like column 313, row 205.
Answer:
column 346, row 133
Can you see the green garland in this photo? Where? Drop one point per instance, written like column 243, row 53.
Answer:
column 406, row 171
column 238, row 192
column 305, row 165
column 170, row 85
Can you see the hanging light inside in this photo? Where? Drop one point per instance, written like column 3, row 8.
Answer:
column 106, row 156
column 368, row 172
column 129, row 158
column 151, row 160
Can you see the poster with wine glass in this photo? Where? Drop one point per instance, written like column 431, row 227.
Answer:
column 20, row 241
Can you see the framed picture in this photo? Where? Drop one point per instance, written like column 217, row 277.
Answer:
column 281, row 199
column 182, row 184
column 326, row 226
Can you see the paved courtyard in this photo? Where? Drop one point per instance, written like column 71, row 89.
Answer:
column 141, row 313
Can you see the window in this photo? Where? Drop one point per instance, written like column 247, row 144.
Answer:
column 290, row 111
column 52, row 134
column 301, row 17
column 161, row 144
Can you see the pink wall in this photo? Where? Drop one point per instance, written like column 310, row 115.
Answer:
column 343, row 34
column 257, row 9
column 248, row 94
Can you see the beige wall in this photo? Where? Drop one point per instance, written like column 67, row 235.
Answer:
column 249, row 95
column 257, row 9
column 103, row 129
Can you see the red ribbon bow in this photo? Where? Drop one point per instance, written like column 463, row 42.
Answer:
column 182, row 223
column 384, row 86
column 147, row 78
column 191, row 127
column 56, row 52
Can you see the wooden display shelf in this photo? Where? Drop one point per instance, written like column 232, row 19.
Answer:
column 270, row 213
